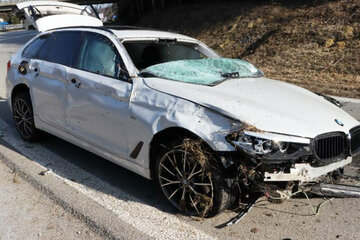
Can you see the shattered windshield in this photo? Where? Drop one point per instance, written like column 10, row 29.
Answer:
column 208, row 71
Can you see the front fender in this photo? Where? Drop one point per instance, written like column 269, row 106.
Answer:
column 153, row 111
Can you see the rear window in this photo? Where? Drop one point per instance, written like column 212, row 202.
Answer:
column 61, row 48
column 34, row 47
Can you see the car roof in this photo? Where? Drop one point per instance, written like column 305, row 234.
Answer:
column 129, row 33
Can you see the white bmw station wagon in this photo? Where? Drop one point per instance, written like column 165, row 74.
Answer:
column 210, row 130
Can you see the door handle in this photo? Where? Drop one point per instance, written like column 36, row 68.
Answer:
column 76, row 83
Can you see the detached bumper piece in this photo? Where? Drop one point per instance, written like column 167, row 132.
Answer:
column 304, row 172
column 336, row 190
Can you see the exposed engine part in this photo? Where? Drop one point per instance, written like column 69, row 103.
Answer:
column 336, row 190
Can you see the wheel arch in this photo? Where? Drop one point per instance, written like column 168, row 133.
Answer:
column 17, row 89
column 166, row 135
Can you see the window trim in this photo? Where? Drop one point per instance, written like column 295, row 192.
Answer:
column 76, row 58
column 34, row 57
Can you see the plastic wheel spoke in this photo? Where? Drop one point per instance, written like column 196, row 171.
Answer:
column 167, row 169
column 173, row 193
column 174, row 165
column 19, row 122
column 192, row 171
column 183, row 195
column 193, row 203
column 202, row 184
column 193, row 174
column 184, row 162
column 194, row 191
column 27, row 127
column 170, row 181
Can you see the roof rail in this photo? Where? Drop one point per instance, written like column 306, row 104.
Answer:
column 109, row 28
column 88, row 27
column 127, row 27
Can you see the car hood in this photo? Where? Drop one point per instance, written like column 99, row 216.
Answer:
column 269, row 105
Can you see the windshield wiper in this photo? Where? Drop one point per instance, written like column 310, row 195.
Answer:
column 231, row 75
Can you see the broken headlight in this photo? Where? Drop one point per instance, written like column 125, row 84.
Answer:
column 269, row 145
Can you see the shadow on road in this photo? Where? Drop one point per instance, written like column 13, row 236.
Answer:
column 145, row 190
column 5, row 113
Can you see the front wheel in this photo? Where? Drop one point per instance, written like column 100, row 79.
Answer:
column 24, row 117
column 191, row 186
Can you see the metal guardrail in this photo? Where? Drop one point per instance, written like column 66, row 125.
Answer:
column 4, row 28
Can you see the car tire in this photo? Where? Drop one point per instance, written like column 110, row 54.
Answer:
column 201, row 195
column 23, row 116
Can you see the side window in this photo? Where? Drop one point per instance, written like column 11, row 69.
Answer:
column 64, row 46
column 31, row 50
column 43, row 53
column 99, row 55
column 61, row 48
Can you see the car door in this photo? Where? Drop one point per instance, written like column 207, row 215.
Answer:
column 49, row 81
column 98, row 96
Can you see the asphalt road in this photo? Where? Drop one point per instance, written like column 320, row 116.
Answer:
column 39, row 217
column 139, row 203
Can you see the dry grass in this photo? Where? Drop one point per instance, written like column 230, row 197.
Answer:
column 195, row 148
column 315, row 46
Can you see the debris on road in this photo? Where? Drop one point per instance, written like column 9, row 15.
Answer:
column 45, row 172
column 336, row 190
column 15, row 178
column 238, row 218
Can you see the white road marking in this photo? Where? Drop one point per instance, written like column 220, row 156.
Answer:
column 147, row 219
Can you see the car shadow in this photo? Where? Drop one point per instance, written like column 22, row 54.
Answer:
column 146, row 191
column 5, row 112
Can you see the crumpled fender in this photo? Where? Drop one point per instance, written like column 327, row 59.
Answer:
column 153, row 111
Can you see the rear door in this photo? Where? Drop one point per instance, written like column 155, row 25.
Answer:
column 98, row 96
column 50, row 68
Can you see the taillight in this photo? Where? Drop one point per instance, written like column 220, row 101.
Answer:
column 8, row 65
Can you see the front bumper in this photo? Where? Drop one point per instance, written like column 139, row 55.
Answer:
column 304, row 172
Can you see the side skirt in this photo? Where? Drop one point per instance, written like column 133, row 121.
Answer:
column 142, row 171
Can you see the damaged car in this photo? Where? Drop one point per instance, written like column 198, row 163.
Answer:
column 45, row 15
column 211, row 131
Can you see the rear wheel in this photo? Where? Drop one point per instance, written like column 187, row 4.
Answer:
column 24, row 117
column 192, row 187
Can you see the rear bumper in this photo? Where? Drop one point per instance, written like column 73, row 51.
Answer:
column 304, row 172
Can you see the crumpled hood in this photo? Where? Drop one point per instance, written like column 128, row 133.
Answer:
column 267, row 104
